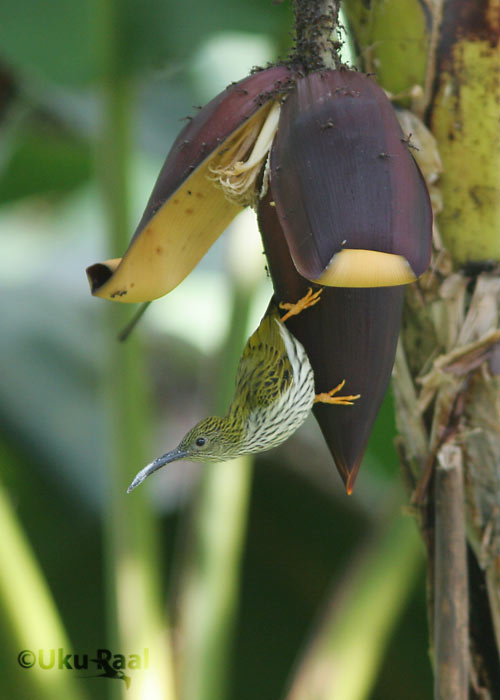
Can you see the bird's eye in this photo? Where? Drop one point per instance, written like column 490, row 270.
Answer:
column 200, row 441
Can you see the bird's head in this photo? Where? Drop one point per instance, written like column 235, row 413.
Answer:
column 212, row 440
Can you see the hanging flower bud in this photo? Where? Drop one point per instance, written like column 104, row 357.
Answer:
column 352, row 203
column 352, row 335
column 208, row 177
column 349, row 196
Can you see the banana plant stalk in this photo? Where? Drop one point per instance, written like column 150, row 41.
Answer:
column 441, row 60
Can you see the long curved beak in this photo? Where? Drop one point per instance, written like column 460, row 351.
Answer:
column 171, row 456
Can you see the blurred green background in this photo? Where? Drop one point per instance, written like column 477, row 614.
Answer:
column 242, row 563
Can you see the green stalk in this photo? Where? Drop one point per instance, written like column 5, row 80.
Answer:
column 134, row 600
column 210, row 583
column 384, row 29
column 346, row 652
column 30, row 613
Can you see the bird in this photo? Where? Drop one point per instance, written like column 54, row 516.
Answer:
column 274, row 394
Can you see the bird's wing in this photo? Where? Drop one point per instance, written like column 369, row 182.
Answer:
column 264, row 371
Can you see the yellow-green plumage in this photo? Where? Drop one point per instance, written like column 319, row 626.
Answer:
column 273, row 396
column 264, row 369
column 274, row 387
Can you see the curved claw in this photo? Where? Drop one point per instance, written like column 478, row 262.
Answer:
column 329, row 396
column 304, row 303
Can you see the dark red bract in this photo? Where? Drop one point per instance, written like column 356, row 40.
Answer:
column 342, row 176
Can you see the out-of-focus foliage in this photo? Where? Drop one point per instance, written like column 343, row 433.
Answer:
column 61, row 41
column 302, row 531
column 43, row 161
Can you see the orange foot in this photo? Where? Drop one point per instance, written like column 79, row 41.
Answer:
column 294, row 309
column 328, row 397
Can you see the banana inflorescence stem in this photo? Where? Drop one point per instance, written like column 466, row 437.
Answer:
column 316, row 45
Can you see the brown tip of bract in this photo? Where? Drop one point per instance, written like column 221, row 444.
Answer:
column 366, row 268
column 99, row 273
column 349, row 486
column 348, row 467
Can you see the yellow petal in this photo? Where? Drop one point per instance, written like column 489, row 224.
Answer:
column 172, row 242
column 366, row 268
column 177, row 236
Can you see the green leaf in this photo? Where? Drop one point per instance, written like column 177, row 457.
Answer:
column 49, row 40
